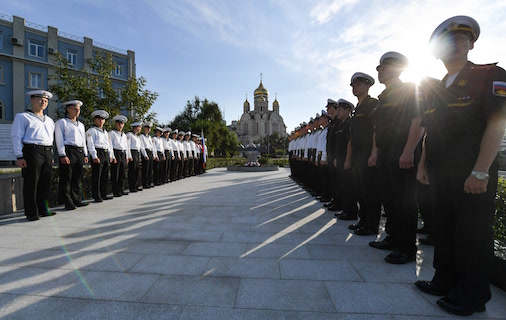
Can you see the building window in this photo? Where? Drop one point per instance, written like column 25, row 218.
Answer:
column 119, row 69
column 1, row 39
column 36, row 48
column 101, row 93
column 72, row 58
column 35, row 80
column 257, row 128
column 2, row 75
column 118, row 92
column 1, row 110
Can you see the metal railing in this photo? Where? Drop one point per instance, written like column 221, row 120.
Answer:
column 110, row 48
column 6, row 17
column 66, row 35
column 70, row 36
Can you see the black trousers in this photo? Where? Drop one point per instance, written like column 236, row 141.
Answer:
column 366, row 189
column 425, row 205
column 348, row 197
column 69, row 185
column 191, row 166
column 168, row 162
column 335, row 184
column 118, row 172
column 462, row 228
column 196, row 162
column 147, row 170
column 158, row 167
column 324, row 181
column 399, row 187
column 37, row 178
column 133, row 170
column 100, row 175
column 173, row 167
column 180, row 166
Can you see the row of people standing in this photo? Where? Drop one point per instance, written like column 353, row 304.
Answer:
column 445, row 135
column 167, row 156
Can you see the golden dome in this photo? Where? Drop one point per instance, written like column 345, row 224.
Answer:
column 246, row 103
column 261, row 90
column 275, row 103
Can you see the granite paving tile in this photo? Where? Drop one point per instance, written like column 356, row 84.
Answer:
column 194, row 291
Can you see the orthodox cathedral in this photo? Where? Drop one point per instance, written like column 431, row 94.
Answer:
column 260, row 122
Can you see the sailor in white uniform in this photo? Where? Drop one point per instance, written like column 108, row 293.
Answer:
column 136, row 151
column 169, row 154
column 121, row 152
column 100, row 152
column 32, row 139
column 159, row 164
column 70, row 140
column 147, row 162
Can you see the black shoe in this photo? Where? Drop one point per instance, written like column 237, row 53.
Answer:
column 334, row 208
column 348, row 216
column 385, row 244
column 48, row 214
column 107, row 198
column 117, row 195
column 460, row 309
column 363, row 231
column 146, row 187
column 424, row 230
column 329, row 204
column 398, row 257
column 99, row 200
column 69, row 207
column 355, row 226
column 81, row 204
column 124, row 193
column 323, row 199
column 430, row 288
column 139, row 189
column 32, row 218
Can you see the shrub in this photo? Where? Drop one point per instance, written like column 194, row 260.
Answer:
column 263, row 161
column 500, row 211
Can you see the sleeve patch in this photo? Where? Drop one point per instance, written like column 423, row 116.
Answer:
column 499, row 88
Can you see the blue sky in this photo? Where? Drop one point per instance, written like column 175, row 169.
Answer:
column 307, row 51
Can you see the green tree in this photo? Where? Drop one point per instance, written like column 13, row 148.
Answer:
column 94, row 87
column 277, row 144
column 204, row 115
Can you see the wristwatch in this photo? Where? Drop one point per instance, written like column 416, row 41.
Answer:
column 480, row 175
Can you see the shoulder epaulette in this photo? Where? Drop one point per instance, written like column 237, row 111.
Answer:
column 484, row 66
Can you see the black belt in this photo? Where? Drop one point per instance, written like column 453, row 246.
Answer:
column 134, row 151
column 80, row 149
column 119, row 150
column 101, row 149
column 37, row 146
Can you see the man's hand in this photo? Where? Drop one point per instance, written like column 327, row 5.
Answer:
column 422, row 176
column 64, row 160
column 21, row 163
column 474, row 185
column 406, row 161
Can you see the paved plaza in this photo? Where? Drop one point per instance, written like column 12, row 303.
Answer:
column 224, row 245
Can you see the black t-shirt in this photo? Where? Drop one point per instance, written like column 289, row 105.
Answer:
column 331, row 138
column 361, row 125
column 456, row 117
column 342, row 138
column 398, row 105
